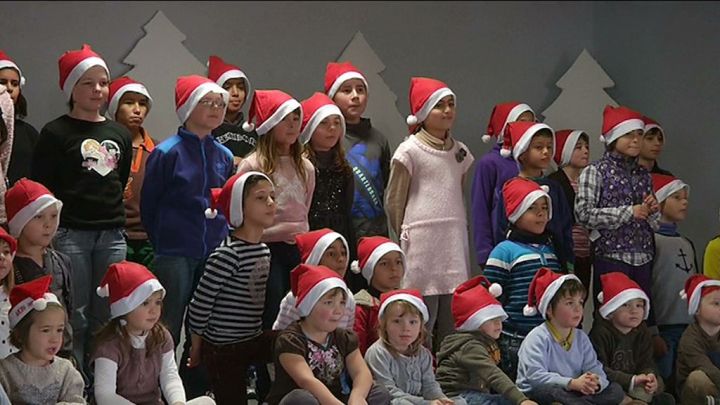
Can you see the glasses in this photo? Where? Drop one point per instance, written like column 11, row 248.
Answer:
column 211, row 103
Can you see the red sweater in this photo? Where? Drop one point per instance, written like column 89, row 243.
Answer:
column 366, row 319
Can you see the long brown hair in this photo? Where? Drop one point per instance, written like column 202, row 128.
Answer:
column 267, row 155
column 341, row 164
column 406, row 307
column 114, row 329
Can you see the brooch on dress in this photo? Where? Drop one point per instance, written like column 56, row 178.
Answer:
column 460, row 155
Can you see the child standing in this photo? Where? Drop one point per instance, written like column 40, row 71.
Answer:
column 382, row 263
column 35, row 375
column 398, row 359
column 312, row 354
column 323, row 247
column 134, row 359
column 651, row 146
column 468, row 359
column 514, row 262
column 8, row 247
column 368, row 151
column 279, row 155
column 616, row 204
column 425, row 198
column 129, row 105
column 230, row 133
column 84, row 159
column 225, row 314
column 491, row 172
column 557, row 360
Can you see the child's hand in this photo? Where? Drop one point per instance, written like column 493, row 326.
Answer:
column 651, row 202
column 652, row 384
column 641, row 380
column 659, row 346
column 641, row 211
column 355, row 400
column 528, row 402
column 442, row 401
column 586, row 384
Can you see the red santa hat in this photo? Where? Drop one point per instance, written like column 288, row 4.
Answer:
column 24, row 200
column 518, row 135
column 424, row 94
column 128, row 285
column 315, row 109
column 665, row 185
column 519, row 194
column 618, row 289
column 190, row 89
column 501, row 115
column 6, row 62
column 313, row 244
column 229, row 198
column 220, row 72
column 33, row 295
column 652, row 124
column 696, row 287
column 338, row 73
column 268, row 108
column 120, row 86
column 543, row 288
column 370, row 250
column 565, row 142
column 474, row 303
column 618, row 121
column 412, row 296
column 73, row 64
column 309, row 283
column 12, row 243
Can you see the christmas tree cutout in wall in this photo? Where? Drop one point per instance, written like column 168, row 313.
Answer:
column 382, row 108
column 158, row 59
column 581, row 103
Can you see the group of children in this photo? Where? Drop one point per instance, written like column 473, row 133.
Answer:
column 243, row 232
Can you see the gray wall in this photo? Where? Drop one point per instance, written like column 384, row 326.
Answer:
column 487, row 52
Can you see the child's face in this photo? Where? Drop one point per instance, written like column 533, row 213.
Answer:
column 581, row 154
column 539, row 153
column 674, row 208
column 238, row 92
column 709, row 308
column 132, row 110
column 10, row 78
column 388, row 272
column 629, row 316
column 535, row 218
column 45, row 337
column 402, row 327
column 91, row 91
column 492, row 327
column 567, row 312
column 327, row 133
column 352, row 99
column 40, row 229
column 259, row 206
column 145, row 316
column 629, row 144
column 335, row 257
column 651, row 145
column 209, row 112
column 286, row 132
column 442, row 116
column 327, row 312
column 6, row 258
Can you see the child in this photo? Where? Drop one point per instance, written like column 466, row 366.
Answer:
column 557, row 360
column 8, row 247
column 651, row 146
column 84, row 159
column 225, row 314
column 673, row 264
column 312, row 354
column 513, row 263
column 230, row 133
column 129, row 105
column 425, row 198
column 323, row 247
column 35, row 375
column 532, row 146
column 491, row 172
column 368, row 151
column 7, row 125
column 615, row 203
column 382, row 263
column 279, row 155
column 134, row 359
column 621, row 340
column 398, row 359
column 33, row 214
column 322, row 130
column 711, row 258
column 572, row 155
column 468, row 359
column 25, row 136
column 698, row 358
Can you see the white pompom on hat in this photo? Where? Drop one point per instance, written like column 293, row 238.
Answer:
column 474, row 302
column 425, row 93
column 617, row 289
column 128, row 285
column 26, row 297
column 543, row 288
column 370, row 250
column 519, row 194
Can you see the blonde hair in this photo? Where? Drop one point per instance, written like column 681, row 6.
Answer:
column 405, row 307
column 267, row 155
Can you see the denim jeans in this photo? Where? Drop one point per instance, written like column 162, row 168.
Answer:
column 671, row 335
column 91, row 253
column 481, row 398
column 509, row 343
column 613, row 394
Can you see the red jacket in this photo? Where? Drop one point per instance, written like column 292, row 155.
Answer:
column 366, row 319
